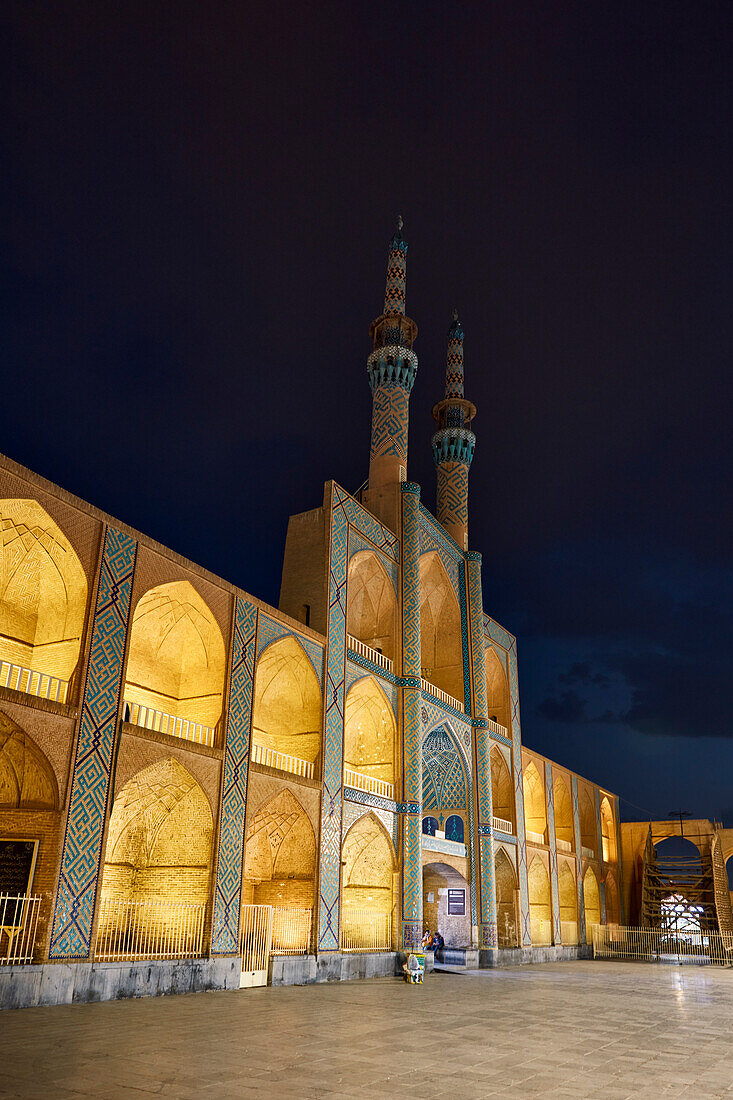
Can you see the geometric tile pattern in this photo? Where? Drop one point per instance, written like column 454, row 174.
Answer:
column 367, row 524
column 454, row 361
column 433, row 713
column 228, row 888
column 394, row 294
column 411, row 720
column 444, row 781
column 95, row 744
column 390, row 413
column 468, row 703
column 268, row 630
column 557, row 930
column 452, row 492
column 578, row 865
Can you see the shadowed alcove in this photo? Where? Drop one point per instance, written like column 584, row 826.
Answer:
column 286, row 714
column 370, row 731
column 535, row 813
column 371, row 603
column 502, row 788
column 280, row 855
column 540, row 902
column 506, row 900
column 497, row 689
column 564, row 826
column 441, row 652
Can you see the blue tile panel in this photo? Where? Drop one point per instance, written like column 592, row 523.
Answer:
column 411, row 719
column 554, row 881
column 230, row 849
column 95, row 749
column 578, row 864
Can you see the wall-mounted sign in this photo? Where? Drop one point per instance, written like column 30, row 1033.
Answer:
column 17, row 860
column 457, row 903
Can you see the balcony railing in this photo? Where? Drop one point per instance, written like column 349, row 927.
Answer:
column 498, row 728
column 563, row 845
column 365, row 930
column 150, row 929
column 502, row 825
column 18, row 923
column 33, row 683
column 368, row 783
column 587, row 853
column 535, row 838
column 431, row 689
column 161, row 722
column 291, row 931
column 372, row 655
column 281, row 761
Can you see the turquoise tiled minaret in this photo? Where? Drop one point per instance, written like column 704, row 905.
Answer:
column 454, row 442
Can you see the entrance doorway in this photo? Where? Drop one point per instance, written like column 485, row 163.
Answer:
column 447, row 904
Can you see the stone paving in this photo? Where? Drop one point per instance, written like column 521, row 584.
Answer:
column 579, row 1029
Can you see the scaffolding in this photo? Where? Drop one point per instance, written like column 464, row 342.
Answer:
column 678, row 895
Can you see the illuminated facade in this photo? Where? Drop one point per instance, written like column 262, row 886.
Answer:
column 184, row 769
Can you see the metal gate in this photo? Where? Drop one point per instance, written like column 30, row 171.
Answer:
column 254, row 943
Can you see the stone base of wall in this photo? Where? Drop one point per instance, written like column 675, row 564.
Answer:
column 66, row 983
column 334, row 967
column 497, row 957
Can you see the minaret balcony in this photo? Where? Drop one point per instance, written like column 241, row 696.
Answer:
column 393, row 364
column 454, row 445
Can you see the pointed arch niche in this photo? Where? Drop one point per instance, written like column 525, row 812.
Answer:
column 441, row 646
column 535, row 812
column 371, row 615
column 591, row 902
column 444, row 779
column 497, row 690
column 502, row 788
column 370, row 732
column 506, row 899
column 540, row 902
column 43, row 598
column 608, row 831
column 587, row 822
column 568, row 893
column 286, row 714
column 280, row 855
column 564, row 826
column 370, row 884
column 27, row 780
column 612, row 900
column 177, row 660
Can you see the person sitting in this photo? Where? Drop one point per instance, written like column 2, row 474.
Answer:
column 427, row 938
column 438, row 941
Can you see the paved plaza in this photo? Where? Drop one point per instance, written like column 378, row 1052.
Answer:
column 582, row 1029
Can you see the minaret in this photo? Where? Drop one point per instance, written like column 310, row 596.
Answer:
column 391, row 366
column 454, row 442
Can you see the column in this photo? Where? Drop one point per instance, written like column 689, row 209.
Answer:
column 554, row 881
column 578, row 862
column 411, row 724
column 599, row 851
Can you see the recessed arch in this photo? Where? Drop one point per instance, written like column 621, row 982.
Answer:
column 371, row 603
column 506, row 899
column 370, row 731
column 441, row 646
column 612, row 899
column 497, row 689
column 27, row 780
column 429, row 825
column 563, row 804
column 568, row 896
column 608, row 831
column 286, row 714
column 591, row 902
column 502, row 788
column 535, row 812
column 177, row 659
column 368, row 863
column 588, row 837
column 454, row 926
column 454, row 828
column 540, row 901
column 444, row 774
column 280, row 854
column 43, row 593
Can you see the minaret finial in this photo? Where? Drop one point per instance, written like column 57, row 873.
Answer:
column 400, row 223
column 455, row 314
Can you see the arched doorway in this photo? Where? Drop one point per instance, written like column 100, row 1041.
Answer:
column 535, row 813
column 502, row 788
column 441, row 647
column 446, row 903
column 286, row 712
column 43, row 597
column 369, row 885
column 591, row 902
column 568, row 897
column 370, row 732
column 540, row 902
column 371, row 603
column 506, row 900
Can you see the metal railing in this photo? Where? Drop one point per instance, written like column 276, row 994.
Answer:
column 291, row 931
column 368, row 783
column 535, row 838
column 150, row 929
column 563, row 845
column 613, row 941
column 431, row 689
column 161, row 722
column 281, row 761
column 18, row 922
column 587, row 853
column 372, row 655
column 498, row 728
column 33, row 683
column 502, row 825
column 365, row 930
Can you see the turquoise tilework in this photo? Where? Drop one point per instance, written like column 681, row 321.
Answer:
column 411, row 723
column 354, row 673
column 578, row 863
column 270, row 630
column 95, row 748
column 554, row 880
column 230, row 850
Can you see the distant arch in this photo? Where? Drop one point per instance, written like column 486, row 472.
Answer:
column 540, row 902
column 535, row 813
column 563, row 804
column 370, row 731
column 441, row 645
column 371, row 603
column 608, row 831
column 177, row 659
column 286, row 713
column 43, row 594
column 27, row 780
column 506, row 899
column 497, row 689
column 591, row 902
column 502, row 788
column 568, row 897
column 280, row 855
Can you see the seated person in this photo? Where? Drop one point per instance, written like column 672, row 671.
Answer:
column 427, row 938
column 438, row 941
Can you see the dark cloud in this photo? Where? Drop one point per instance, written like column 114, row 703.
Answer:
column 569, row 708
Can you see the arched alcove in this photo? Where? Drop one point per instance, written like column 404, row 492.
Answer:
column 497, row 689
column 612, row 900
column 280, row 855
column 608, row 831
column 540, row 902
column 177, row 660
column 370, row 731
column 502, row 788
column 506, row 899
column 568, row 896
column 429, row 826
column 438, row 915
column 444, row 782
column 371, row 603
column 535, row 813
column 43, row 597
column 454, row 828
column 588, row 837
column 159, row 838
column 286, row 714
column 441, row 647
column 369, row 885
column 563, row 804
column 591, row 902
column 27, row 781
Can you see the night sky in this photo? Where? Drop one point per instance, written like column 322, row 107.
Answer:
column 196, row 205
